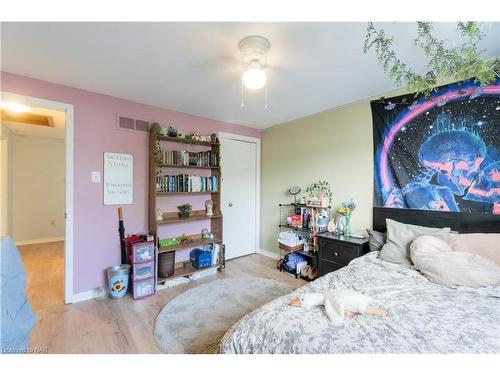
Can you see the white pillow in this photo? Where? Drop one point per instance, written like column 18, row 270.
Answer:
column 486, row 245
column 436, row 260
column 401, row 235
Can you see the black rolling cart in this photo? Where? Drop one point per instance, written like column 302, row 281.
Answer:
column 306, row 221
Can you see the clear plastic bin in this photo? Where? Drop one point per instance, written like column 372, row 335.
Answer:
column 142, row 252
column 141, row 271
column 143, row 288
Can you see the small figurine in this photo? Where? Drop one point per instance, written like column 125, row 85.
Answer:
column 172, row 132
column 206, row 235
column 213, row 138
column 184, row 238
column 209, row 205
column 331, row 226
column 159, row 215
column 180, row 134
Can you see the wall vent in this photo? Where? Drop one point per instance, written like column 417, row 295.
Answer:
column 142, row 126
column 133, row 124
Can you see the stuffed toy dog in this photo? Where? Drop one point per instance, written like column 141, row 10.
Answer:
column 309, row 272
column 339, row 303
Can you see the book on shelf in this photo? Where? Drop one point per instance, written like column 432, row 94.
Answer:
column 188, row 158
column 183, row 183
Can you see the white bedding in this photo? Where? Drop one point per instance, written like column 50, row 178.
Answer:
column 423, row 317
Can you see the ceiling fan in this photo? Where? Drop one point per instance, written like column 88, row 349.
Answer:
column 254, row 50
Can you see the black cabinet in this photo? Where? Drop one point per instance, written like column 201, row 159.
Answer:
column 337, row 251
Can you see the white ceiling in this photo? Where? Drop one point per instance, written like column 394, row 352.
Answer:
column 195, row 67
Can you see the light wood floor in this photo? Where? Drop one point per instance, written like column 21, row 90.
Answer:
column 110, row 326
column 44, row 265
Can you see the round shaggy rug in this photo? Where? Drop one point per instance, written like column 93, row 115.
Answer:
column 196, row 320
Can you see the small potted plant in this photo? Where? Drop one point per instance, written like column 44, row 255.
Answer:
column 319, row 194
column 184, row 210
column 157, row 127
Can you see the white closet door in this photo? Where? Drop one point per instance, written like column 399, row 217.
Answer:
column 239, row 174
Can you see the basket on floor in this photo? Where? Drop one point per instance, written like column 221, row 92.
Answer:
column 166, row 264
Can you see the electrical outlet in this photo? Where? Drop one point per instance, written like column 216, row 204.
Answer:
column 96, row 177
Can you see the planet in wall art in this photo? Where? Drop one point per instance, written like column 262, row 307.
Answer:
column 440, row 153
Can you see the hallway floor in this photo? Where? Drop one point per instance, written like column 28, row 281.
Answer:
column 44, row 265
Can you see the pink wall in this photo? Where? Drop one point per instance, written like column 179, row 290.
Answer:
column 96, row 244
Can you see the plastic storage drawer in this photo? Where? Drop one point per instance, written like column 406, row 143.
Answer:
column 141, row 271
column 143, row 288
column 142, row 252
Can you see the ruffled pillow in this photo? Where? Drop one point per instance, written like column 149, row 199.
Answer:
column 436, row 260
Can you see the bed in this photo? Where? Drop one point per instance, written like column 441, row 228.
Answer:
column 423, row 317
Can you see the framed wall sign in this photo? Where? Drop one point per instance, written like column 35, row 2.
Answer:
column 118, row 178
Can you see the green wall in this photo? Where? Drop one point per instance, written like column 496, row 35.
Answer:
column 335, row 146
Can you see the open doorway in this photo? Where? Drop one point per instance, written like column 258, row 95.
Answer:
column 35, row 202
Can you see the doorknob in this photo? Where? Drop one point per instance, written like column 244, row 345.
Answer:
column 230, row 204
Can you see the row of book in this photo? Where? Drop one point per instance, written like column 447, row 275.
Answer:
column 301, row 219
column 199, row 159
column 186, row 183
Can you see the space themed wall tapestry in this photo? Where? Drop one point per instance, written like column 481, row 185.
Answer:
column 440, row 153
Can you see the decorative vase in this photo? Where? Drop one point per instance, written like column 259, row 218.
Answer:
column 347, row 226
column 339, row 226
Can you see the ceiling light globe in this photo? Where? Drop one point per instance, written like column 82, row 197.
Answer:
column 254, row 78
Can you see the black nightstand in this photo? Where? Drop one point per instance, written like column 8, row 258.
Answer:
column 337, row 251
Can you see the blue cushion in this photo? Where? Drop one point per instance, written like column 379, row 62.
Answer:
column 17, row 319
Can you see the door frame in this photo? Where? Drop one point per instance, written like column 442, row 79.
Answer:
column 68, row 231
column 256, row 141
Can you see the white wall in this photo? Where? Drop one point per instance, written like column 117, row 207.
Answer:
column 38, row 187
column 6, row 181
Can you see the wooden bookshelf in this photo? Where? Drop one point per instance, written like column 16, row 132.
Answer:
column 185, row 269
column 184, row 140
column 161, row 165
column 187, row 193
column 195, row 242
column 173, row 217
column 216, row 224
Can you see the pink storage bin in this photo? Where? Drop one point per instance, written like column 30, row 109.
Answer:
column 142, row 252
column 143, row 288
column 141, row 271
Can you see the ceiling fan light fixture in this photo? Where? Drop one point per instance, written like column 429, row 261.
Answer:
column 254, row 51
column 254, row 77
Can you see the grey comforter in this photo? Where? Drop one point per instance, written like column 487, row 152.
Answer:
column 423, row 317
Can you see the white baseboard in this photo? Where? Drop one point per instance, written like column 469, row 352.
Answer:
column 85, row 296
column 39, row 240
column 269, row 254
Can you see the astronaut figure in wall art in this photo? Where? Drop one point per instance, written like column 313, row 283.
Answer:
column 440, row 153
